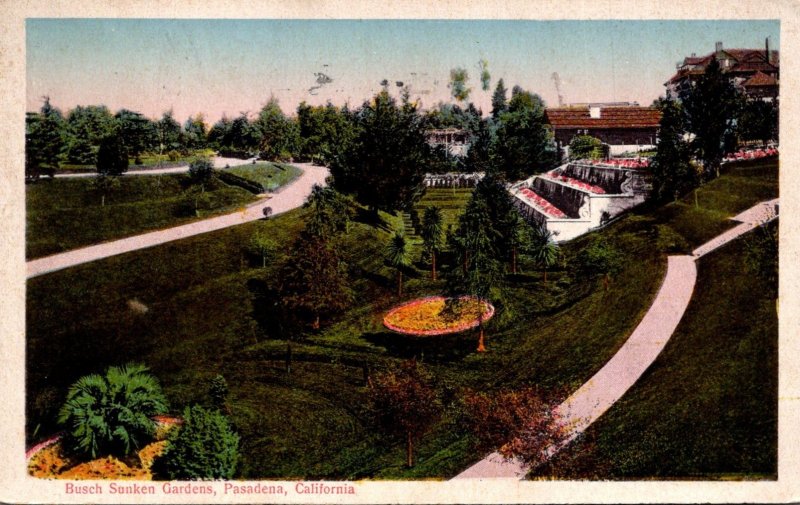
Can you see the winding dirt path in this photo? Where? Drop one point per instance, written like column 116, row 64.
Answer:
column 636, row 355
column 287, row 198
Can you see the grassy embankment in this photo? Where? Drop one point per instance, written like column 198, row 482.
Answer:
column 707, row 408
column 64, row 214
column 203, row 301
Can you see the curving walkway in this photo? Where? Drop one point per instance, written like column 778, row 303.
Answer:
column 289, row 197
column 608, row 385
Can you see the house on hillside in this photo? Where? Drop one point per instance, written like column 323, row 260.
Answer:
column 623, row 128
column 454, row 141
column 755, row 72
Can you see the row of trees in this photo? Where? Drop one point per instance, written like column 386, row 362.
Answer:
column 702, row 124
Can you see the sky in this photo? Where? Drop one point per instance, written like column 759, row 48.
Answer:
column 217, row 67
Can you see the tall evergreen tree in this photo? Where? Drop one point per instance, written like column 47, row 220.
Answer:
column 397, row 257
column 432, row 234
column 44, row 141
column 112, row 155
column 499, row 99
column 673, row 173
column 710, row 108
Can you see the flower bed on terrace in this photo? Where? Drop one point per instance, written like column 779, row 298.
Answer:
column 437, row 315
column 542, row 204
column 576, row 183
column 48, row 461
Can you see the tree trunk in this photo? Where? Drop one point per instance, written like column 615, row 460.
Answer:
column 514, row 261
column 409, row 450
column 316, row 322
column 481, row 345
column 399, row 282
column 545, row 276
column 103, row 201
column 288, row 358
column 433, row 263
column 605, row 281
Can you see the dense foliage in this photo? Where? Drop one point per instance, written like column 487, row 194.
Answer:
column 204, row 447
column 111, row 413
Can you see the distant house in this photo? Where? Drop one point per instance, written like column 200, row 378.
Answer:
column 625, row 128
column 755, row 72
column 454, row 141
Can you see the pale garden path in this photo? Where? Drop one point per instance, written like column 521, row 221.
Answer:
column 219, row 162
column 622, row 371
column 287, row 198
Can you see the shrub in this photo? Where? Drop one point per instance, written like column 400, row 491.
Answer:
column 174, row 155
column 111, row 414
column 205, row 447
column 585, row 146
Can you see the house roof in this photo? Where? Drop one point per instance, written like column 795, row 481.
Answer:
column 610, row 117
column 745, row 61
column 760, row 79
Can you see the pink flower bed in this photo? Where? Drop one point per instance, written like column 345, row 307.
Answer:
column 542, row 204
column 576, row 183
column 750, row 154
column 424, row 317
column 620, row 162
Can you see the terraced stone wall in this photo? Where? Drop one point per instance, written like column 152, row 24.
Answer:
column 569, row 200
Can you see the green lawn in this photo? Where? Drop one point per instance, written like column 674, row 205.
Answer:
column 64, row 214
column 205, row 297
column 270, row 175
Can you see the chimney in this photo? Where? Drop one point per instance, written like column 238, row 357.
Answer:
column 594, row 112
column 718, row 47
column 766, row 43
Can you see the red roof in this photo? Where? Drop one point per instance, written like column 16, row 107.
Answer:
column 610, row 117
column 760, row 79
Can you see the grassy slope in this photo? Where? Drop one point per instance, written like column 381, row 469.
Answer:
column 269, row 175
column 64, row 214
column 202, row 299
column 708, row 405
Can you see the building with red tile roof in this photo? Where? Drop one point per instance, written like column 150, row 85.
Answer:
column 622, row 128
column 756, row 72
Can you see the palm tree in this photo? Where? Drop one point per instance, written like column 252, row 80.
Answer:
column 543, row 249
column 397, row 256
column 112, row 414
column 432, row 234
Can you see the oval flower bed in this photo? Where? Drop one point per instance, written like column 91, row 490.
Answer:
column 433, row 315
column 46, row 460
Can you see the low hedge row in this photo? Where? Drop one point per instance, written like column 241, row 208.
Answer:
column 235, row 180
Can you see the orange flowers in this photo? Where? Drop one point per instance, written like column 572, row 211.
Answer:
column 436, row 315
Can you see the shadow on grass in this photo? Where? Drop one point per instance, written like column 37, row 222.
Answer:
column 438, row 349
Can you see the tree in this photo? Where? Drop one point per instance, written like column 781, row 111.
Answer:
column 111, row 414
column 43, row 141
column 314, row 280
column 278, row 136
column 758, row 121
column 112, row 156
column 517, row 423
column 138, row 133
column 476, row 242
column 262, row 244
column 761, row 256
column 599, row 258
column 204, row 447
column 397, row 257
column 486, row 77
column 710, row 107
column 499, row 104
column 432, row 234
column 196, row 132
column 673, row 173
column 201, row 172
column 218, row 392
column 585, row 146
column 523, row 144
column 383, row 167
column 104, row 185
column 330, row 211
column 325, row 132
column 458, row 84
column 404, row 403
column 86, row 127
column 542, row 248
column 169, row 133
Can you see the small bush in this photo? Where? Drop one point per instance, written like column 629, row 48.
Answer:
column 205, row 447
